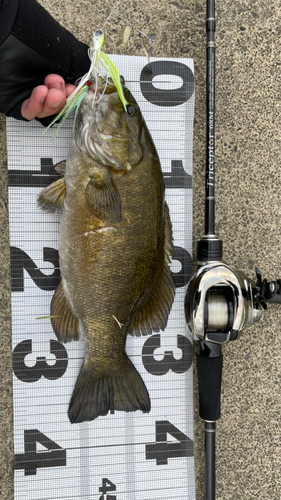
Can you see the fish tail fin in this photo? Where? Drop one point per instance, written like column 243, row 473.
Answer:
column 97, row 392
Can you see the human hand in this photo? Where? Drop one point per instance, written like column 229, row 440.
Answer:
column 47, row 99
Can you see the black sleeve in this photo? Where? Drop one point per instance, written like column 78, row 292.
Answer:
column 33, row 45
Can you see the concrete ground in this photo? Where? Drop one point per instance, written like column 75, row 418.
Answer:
column 248, row 162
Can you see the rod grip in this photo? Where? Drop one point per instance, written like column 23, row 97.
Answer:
column 209, row 380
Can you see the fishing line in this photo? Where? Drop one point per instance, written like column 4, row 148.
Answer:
column 114, row 9
column 134, row 27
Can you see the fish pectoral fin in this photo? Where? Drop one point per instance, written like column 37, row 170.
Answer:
column 64, row 322
column 104, row 198
column 60, row 167
column 52, row 197
column 151, row 315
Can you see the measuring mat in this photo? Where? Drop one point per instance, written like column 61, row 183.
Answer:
column 121, row 456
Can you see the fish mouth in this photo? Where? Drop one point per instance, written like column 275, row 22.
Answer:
column 100, row 87
column 95, row 91
column 93, row 134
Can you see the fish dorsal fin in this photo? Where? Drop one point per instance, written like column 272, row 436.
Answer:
column 52, row 197
column 64, row 322
column 152, row 313
column 103, row 196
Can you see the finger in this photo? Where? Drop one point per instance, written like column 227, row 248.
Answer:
column 55, row 82
column 52, row 82
column 69, row 88
column 54, row 102
column 56, row 96
column 33, row 106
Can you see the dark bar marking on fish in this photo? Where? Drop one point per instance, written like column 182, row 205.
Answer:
column 178, row 178
column 34, row 178
column 163, row 97
column 41, row 368
column 162, row 450
column 162, row 367
column 31, row 460
column 183, row 276
column 20, row 261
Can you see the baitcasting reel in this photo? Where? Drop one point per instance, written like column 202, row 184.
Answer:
column 220, row 301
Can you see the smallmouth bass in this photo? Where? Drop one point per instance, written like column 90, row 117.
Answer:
column 115, row 245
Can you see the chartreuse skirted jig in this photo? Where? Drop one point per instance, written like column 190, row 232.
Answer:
column 98, row 60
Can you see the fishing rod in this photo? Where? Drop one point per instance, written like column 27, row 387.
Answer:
column 220, row 302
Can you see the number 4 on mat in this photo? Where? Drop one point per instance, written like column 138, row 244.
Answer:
column 107, row 486
column 32, row 459
column 162, row 449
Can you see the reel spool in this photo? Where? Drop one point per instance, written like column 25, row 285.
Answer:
column 220, row 302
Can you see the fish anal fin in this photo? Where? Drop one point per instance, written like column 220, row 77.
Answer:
column 153, row 311
column 52, row 197
column 99, row 390
column 64, row 322
column 103, row 197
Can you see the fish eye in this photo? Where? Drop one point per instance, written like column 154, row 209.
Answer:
column 131, row 110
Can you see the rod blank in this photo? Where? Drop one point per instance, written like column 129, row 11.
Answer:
column 210, row 473
column 210, row 122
